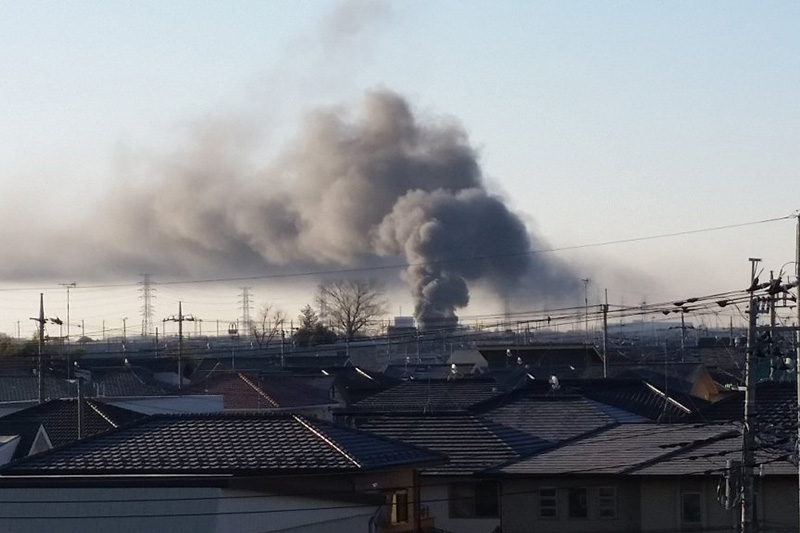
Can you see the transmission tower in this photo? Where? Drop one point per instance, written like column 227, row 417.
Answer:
column 147, row 296
column 247, row 305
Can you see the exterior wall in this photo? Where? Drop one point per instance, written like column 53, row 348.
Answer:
column 435, row 496
column 661, row 505
column 778, row 503
column 386, row 483
column 189, row 510
column 520, row 509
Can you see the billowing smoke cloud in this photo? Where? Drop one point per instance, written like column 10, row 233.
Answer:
column 347, row 191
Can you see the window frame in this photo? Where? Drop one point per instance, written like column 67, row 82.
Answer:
column 464, row 499
column 548, row 498
column 701, row 514
column 400, row 513
column 582, row 493
column 613, row 497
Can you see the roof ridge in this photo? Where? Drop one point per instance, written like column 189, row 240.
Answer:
column 258, row 390
column 102, row 414
column 326, row 440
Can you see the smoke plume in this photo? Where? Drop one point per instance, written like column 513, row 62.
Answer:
column 348, row 191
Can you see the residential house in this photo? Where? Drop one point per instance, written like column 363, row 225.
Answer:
column 223, row 472
column 58, row 422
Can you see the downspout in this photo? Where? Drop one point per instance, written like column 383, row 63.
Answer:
column 373, row 519
column 417, row 503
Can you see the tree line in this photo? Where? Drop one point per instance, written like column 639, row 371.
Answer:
column 346, row 309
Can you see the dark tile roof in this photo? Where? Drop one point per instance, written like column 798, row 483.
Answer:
column 642, row 398
column 470, row 443
column 618, row 450
column 710, row 458
column 257, row 391
column 558, row 418
column 776, row 404
column 26, row 388
column 430, row 396
column 225, row 444
column 60, row 420
column 775, row 411
column 422, row 371
column 559, row 358
column 126, row 382
column 355, row 384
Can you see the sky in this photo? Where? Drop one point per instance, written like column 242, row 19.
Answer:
column 592, row 122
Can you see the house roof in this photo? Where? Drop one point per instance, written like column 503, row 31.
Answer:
column 642, row 398
column 429, row 396
column 554, row 357
column 224, row 444
column 558, row 418
column 126, row 382
column 471, row 444
column 257, row 391
column 26, row 388
column 711, row 458
column 59, row 418
column 776, row 404
column 619, row 449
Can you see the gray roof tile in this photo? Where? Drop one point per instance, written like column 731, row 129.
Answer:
column 240, row 444
column 470, row 443
column 617, row 450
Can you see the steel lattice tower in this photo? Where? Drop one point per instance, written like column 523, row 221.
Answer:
column 147, row 296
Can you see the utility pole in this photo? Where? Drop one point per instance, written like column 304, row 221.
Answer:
column 39, row 365
column 797, row 350
column 586, row 308
column 683, row 334
column 748, row 431
column 605, row 336
column 68, row 286
column 69, row 354
column 180, row 318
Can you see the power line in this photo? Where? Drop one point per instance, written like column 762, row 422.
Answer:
column 396, row 266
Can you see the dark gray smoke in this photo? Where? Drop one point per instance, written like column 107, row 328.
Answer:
column 348, row 191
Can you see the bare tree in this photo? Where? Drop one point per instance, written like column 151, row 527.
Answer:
column 268, row 326
column 351, row 305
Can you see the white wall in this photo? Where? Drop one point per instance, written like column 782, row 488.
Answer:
column 178, row 510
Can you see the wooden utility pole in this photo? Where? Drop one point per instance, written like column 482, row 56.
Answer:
column 39, row 364
column 180, row 318
column 797, row 352
column 605, row 337
column 748, row 431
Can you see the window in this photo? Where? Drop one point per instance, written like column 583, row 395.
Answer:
column 548, row 503
column 400, row 507
column 578, row 502
column 607, row 502
column 691, row 507
column 474, row 500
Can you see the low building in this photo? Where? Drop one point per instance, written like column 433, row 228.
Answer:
column 223, row 472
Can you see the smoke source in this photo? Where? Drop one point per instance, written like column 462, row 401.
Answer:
column 348, row 191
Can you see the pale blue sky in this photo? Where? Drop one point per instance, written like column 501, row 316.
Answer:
column 599, row 120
